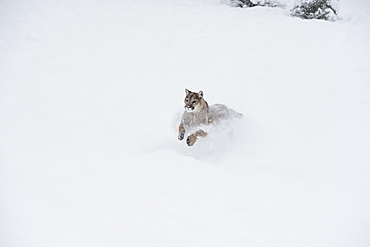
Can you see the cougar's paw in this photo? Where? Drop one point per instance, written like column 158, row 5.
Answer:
column 191, row 140
column 181, row 135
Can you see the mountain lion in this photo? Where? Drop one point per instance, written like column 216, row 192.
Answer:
column 198, row 113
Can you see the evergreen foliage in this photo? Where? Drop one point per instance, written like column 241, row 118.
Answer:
column 315, row 9
column 252, row 3
column 305, row 9
column 242, row 3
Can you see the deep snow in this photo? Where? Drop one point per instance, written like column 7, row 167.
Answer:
column 91, row 93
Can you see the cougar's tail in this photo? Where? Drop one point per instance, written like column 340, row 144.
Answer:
column 236, row 114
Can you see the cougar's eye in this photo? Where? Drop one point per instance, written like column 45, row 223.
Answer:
column 194, row 101
column 187, row 100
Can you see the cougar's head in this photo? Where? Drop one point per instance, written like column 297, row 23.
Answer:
column 193, row 101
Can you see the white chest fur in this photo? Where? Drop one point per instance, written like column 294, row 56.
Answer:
column 191, row 119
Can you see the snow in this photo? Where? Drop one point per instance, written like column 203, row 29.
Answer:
column 91, row 96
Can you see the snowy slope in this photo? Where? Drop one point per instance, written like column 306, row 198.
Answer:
column 91, row 93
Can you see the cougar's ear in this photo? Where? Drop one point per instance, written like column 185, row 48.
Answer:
column 200, row 94
column 187, row 91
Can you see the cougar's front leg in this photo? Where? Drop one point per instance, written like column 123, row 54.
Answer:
column 181, row 132
column 193, row 137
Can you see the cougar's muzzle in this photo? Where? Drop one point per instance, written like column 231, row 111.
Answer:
column 189, row 108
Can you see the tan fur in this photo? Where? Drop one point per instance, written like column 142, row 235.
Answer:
column 198, row 113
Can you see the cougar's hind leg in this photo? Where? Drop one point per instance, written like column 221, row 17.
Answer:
column 190, row 141
column 201, row 133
